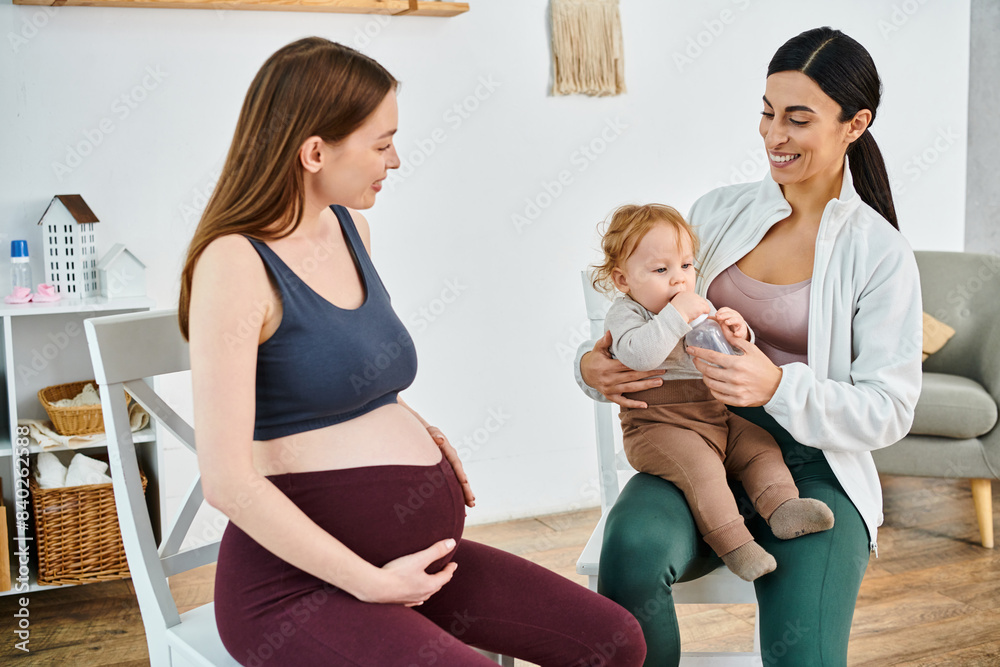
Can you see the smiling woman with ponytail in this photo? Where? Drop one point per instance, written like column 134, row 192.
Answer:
column 812, row 257
column 844, row 70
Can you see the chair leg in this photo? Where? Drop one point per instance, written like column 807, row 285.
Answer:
column 503, row 660
column 982, row 498
column 756, row 629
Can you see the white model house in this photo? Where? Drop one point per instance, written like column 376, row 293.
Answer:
column 69, row 245
column 121, row 274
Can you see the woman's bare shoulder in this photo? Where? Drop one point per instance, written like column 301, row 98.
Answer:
column 231, row 252
column 229, row 264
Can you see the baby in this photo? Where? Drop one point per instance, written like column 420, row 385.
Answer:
column 685, row 435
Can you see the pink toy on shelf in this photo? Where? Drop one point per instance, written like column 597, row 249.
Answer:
column 19, row 295
column 45, row 293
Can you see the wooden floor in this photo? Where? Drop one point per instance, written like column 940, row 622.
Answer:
column 931, row 598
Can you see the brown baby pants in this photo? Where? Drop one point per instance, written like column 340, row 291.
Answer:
column 688, row 437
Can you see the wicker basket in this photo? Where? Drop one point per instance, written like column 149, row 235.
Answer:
column 77, row 534
column 74, row 419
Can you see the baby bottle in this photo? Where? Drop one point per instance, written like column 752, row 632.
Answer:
column 20, row 269
column 707, row 334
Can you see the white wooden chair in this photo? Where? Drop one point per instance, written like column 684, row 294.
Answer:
column 718, row 587
column 125, row 350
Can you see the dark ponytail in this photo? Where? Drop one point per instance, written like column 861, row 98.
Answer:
column 870, row 178
column 845, row 71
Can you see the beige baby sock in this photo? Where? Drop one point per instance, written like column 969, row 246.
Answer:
column 749, row 561
column 800, row 516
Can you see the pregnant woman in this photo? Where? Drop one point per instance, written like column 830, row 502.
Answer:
column 813, row 259
column 327, row 559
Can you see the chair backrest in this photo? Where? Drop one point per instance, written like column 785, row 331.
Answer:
column 126, row 350
column 609, row 460
column 962, row 289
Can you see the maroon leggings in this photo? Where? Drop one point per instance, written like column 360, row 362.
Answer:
column 271, row 613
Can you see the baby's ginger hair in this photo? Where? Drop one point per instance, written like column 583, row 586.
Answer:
column 625, row 229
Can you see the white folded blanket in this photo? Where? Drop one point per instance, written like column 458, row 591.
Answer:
column 50, row 473
column 85, row 470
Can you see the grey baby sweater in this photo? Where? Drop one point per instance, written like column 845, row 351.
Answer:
column 645, row 341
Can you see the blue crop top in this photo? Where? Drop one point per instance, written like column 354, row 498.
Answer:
column 325, row 364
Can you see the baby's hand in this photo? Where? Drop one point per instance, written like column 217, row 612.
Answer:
column 690, row 305
column 732, row 324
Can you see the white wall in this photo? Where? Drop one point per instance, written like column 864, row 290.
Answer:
column 495, row 309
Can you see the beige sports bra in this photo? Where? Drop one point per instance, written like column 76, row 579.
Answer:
column 778, row 314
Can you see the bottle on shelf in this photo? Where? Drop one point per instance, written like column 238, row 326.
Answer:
column 20, row 268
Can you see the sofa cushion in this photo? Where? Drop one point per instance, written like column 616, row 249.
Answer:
column 954, row 407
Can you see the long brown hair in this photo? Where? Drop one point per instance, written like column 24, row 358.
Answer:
column 311, row 87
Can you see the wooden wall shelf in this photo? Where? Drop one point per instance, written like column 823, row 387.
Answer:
column 389, row 7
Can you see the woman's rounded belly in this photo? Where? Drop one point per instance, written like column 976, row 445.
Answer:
column 389, row 435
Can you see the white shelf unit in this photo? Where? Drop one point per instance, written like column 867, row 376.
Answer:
column 44, row 344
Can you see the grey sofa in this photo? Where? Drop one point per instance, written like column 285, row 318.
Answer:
column 955, row 432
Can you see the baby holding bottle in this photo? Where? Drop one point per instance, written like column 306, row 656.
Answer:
column 686, row 435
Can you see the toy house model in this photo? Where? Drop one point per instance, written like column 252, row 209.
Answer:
column 69, row 246
column 121, row 274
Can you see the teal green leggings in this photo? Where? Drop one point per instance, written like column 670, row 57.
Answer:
column 806, row 604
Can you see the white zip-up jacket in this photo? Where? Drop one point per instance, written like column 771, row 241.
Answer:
column 858, row 391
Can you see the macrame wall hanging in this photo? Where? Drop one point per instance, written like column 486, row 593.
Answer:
column 587, row 48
